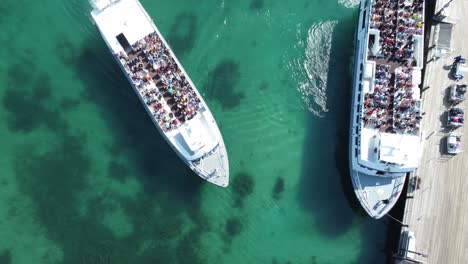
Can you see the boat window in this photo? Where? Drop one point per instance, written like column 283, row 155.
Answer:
column 124, row 42
column 371, row 41
column 380, row 173
column 364, row 18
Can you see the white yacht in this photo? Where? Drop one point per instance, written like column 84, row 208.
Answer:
column 385, row 135
column 171, row 99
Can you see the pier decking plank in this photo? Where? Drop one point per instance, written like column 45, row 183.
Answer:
column 438, row 211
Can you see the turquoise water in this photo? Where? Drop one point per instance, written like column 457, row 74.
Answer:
column 85, row 178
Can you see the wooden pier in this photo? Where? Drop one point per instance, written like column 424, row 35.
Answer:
column 437, row 211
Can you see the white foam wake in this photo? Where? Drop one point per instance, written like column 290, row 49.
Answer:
column 349, row 3
column 313, row 70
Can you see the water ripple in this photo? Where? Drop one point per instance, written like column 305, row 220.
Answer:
column 349, row 3
column 312, row 71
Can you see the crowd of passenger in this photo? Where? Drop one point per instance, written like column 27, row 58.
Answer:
column 377, row 103
column 161, row 83
column 398, row 21
column 406, row 113
column 384, row 18
column 391, row 104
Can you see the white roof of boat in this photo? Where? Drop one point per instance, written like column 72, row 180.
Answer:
column 124, row 16
column 399, row 148
column 194, row 135
column 366, row 86
column 369, row 69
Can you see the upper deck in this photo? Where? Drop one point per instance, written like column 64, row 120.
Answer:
column 387, row 103
column 162, row 85
column 149, row 63
column 393, row 68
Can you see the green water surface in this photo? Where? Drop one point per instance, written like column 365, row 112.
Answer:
column 85, row 177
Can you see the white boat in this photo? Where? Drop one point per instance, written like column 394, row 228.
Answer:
column 171, row 99
column 385, row 136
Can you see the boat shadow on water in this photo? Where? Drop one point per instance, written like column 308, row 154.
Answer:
column 67, row 170
column 167, row 182
column 325, row 186
column 159, row 165
column 136, row 136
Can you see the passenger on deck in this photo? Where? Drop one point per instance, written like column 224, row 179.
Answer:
column 151, row 57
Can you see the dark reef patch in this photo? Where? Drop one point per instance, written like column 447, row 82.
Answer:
column 144, row 217
column 3, row 12
column 263, row 86
column 53, row 179
column 6, row 8
column 278, row 188
column 65, row 50
column 222, row 83
column 5, row 257
column 242, row 187
column 183, row 33
column 18, row 71
column 233, row 227
column 313, row 260
column 28, row 99
column 118, row 171
column 113, row 149
column 188, row 249
column 61, row 174
column 101, row 254
column 42, row 87
column 29, row 109
column 68, row 104
column 256, row 5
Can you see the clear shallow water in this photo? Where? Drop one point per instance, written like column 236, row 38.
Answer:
column 86, row 178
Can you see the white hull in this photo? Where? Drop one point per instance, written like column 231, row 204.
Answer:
column 379, row 158
column 377, row 196
column 197, row 141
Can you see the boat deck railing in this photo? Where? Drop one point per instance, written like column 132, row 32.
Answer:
column 392, row 105
column 160, row 82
